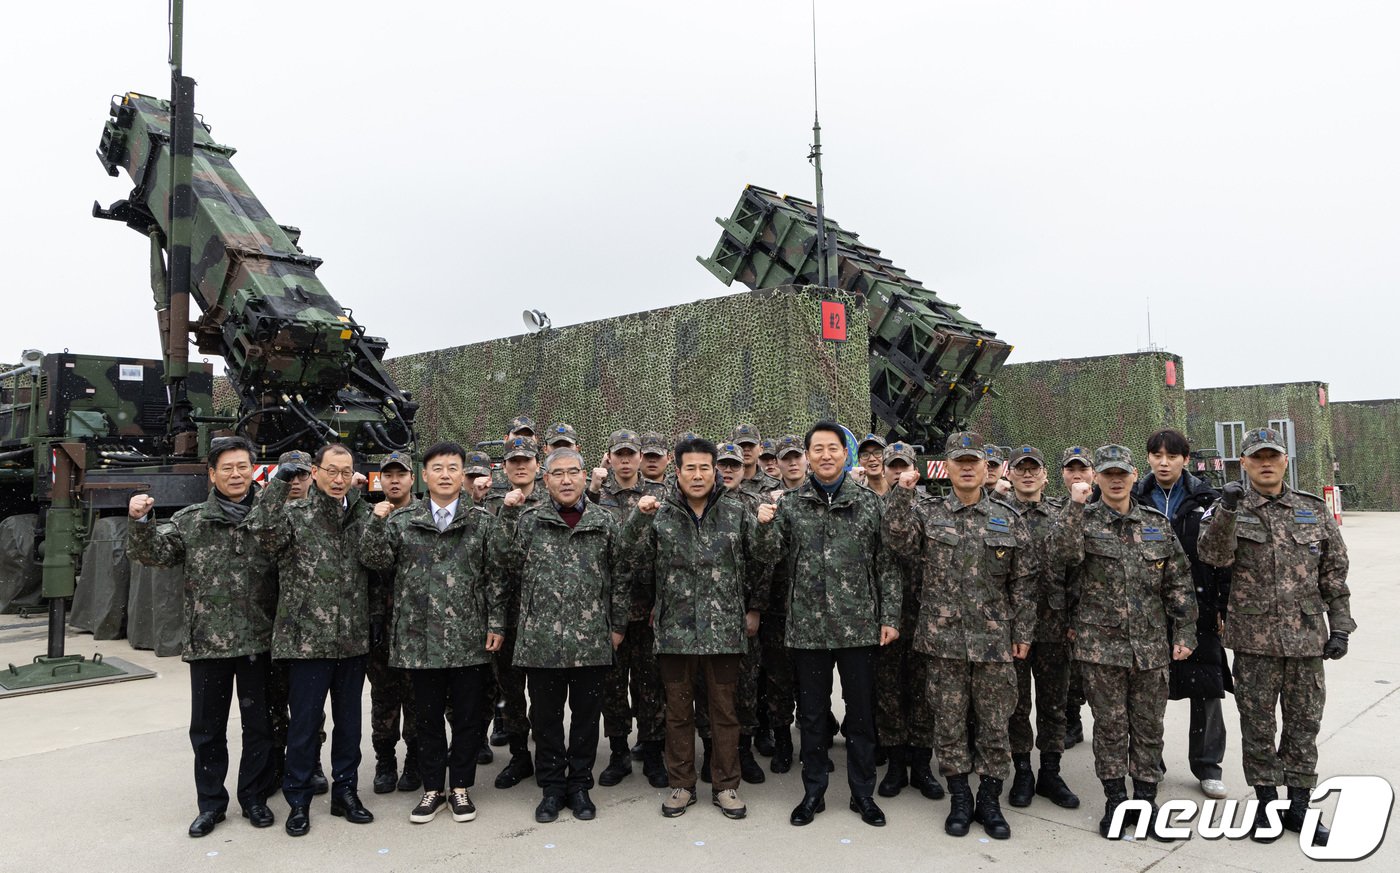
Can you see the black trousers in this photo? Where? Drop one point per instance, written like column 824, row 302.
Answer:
column 814, row 669
column 560, row 770
column 1206, row 745
column 308, row 682
column 211, row 692
column 463, row 690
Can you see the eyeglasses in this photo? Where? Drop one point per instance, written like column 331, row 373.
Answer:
column 304, row 474
column 334, row 474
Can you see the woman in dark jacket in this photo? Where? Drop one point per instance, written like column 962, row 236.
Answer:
column 1204, row 677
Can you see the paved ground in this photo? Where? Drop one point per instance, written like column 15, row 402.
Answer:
column 99, row 779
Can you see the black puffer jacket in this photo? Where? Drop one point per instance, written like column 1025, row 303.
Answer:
column 1206, row 674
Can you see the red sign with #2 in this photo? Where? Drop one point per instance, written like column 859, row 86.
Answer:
column 833, row 321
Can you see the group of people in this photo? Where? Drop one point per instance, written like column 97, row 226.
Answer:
column 719, row 586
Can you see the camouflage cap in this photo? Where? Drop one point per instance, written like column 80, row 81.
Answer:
column 521, row 422
column 624, row 439
column 478, row 464
column 901, row 450
column 1113, row 457
column 299, row 461
column 729, row 452
column 1026, row 453
column 687, row 436
column 1075, row 455
column 767, row 448
column 964, row 444
column 1260, row 439
column 561, row 433
column 653, row 443
column 995, row 454
column 745, row 433
column 790, row 443
column 522, row 447
column 400, row 459
column 869, row 439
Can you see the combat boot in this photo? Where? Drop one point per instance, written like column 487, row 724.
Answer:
column 1074, row 728
column 619, row 763
column 882, row 755
column 959, row 819
column 386, row 775
column 499, row 737
column 1297, row 811
column 897, row 776
column 1115, row 792
column 749, row 770
column 705, row 761
column 782, row 751
column 763, row 743
column 921, row 773
column 653, row 764
column 1148, row 791
column 988, row 811
column 484, row 755
column 1265, row 793
column 519, row 767
column 1022, row 781
column 409, row 780
column 1049, row 784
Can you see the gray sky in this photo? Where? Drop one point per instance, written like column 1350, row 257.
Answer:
column 1048, row 165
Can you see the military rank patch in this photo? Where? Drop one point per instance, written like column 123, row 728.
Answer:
column 1153, row 535
column 1304, row 516
column 1248, row 519
column 999, row 525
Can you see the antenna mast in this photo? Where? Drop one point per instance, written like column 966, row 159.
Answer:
column 815, row 157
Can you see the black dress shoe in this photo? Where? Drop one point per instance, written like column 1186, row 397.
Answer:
column 870, row 812
column 298, row 821
column 582, row 808
column 347, row 804
column 203, row 824
column 259, row 816
column 548, row 810
column 807, row 810
column 319, row 785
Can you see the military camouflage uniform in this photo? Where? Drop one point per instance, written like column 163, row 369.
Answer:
column 229, row 602
column 1128, row 575
column 978, row 567
column 509, row 676
column 1290, row 568
column 903, row 713
column 1050, row 658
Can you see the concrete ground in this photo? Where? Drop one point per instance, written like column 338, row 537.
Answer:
column 99, row 779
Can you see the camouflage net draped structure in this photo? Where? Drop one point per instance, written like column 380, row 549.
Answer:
column 1257, row 405
column 704, row 366
column 1366, row 436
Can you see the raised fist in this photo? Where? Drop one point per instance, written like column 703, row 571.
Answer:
column 1003, row 487
column 1079, row 492
column 775, row 495
column 648, row 505
column 514, row 497
column 1231, row 494
column 359, row 480
column 858, row 474
column 909, row 479
column 140, row 506
column 766, row 511
column 383, row 508
column 600, row 475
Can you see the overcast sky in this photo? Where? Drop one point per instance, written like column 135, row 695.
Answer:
column 1048, row 165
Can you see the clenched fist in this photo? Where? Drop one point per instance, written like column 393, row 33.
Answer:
column 858, row 474
column 359, row 480
column 1079, row 492
column 600, row 475
column 766, row 511
column 1003, row 487
column 514, row 497
column 909, row 479
column 140, row 506
column 775, row 495
column 648, row 505
column 383, row 508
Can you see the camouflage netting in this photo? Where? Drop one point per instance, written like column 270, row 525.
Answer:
column 1256, row 406
column 1086, row 401
column 1366, row 434
column 703, row 366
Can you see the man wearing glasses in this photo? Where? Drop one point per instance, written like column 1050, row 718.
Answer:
column 323, row 623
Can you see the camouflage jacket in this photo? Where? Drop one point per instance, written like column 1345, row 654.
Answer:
column 324, row 601
column 439, row 583
column 620, row 501
column 1128, row 575
column 977, row 568
column 760, row 484
column 1290, row 566
column 494, row 504
column 842, row 584
column 1040, row 518
column 230, row 582
column 908, row 569
column 697, row 571
column 572, row 595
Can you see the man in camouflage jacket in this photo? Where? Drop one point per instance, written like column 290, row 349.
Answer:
column 1128, row 576
column 436, row 551
column 978, row 568
column 228, row 604
column 323, row 623
column 1287, row 589
column 573, row 612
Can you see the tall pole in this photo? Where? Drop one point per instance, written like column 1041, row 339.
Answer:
column 815, row 156
column 181, row 223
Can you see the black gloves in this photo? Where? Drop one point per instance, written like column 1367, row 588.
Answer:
column 286, row 472
column 1230, row 496
column 1336, row 645
column 376, row 634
